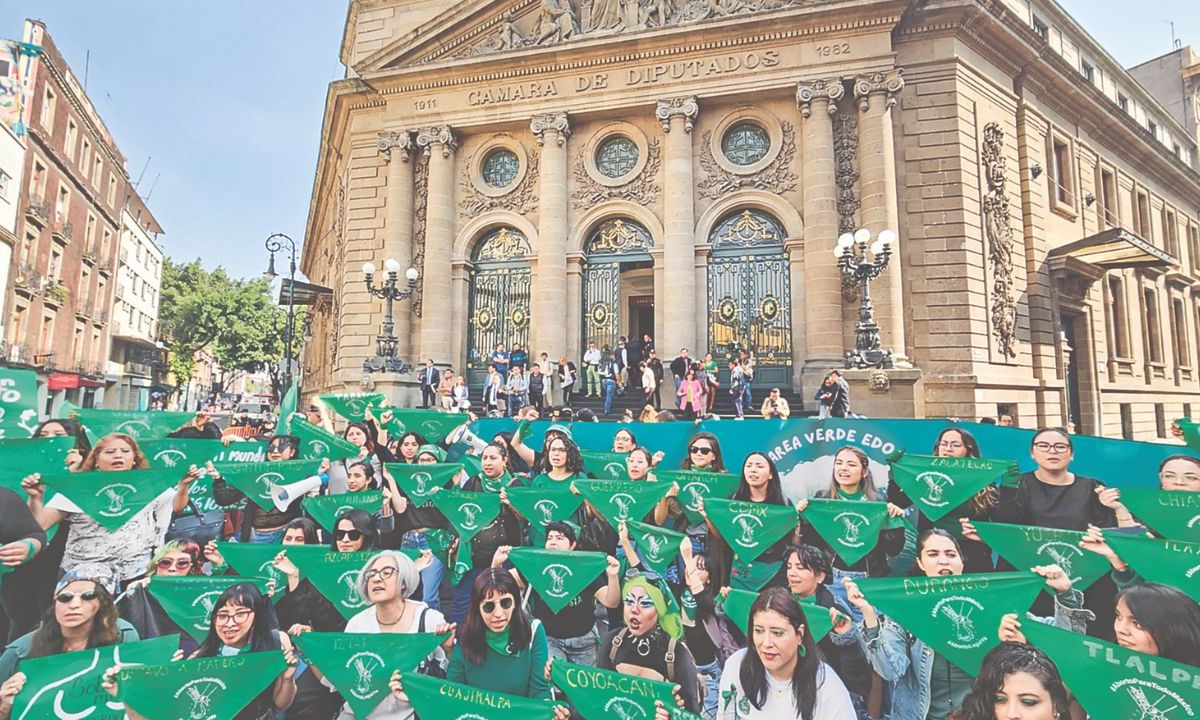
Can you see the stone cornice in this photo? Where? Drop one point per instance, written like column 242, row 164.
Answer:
column 556, row 123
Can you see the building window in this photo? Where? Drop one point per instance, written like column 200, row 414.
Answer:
column 1183, row 353
column 5, row 182
column 97, row 170
column 1041, row 28
column 1127, row 421
column 46, row 336
column 1193, row 233
column 1123, row 101
column 1141, row 215
column 55, row 267
column 1062, row 176
column 1088, row 72
column 112, row 190
column 47, row 119
column 745, row 143
column 1153, row 128
column 1160, row 420
column 72, row 136
column 1118, row 319
column 617, row 156
column 89, row 231
column 85, row 153
column 62, row 206
column 1154, row 348
column 1170, row 233
column 500, row 169
column 39, row 178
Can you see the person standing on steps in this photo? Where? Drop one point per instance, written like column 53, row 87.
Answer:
column 591, row 366
column 429, row 377
column 680, row 365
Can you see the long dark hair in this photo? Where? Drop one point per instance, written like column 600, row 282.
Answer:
column 48, row 638
column 362, row 522
column 370, row 443
column 969, row 442
column 923, row 538
column 774, row 484
column 73, row 429
column 420, row 441
column 1009, row 658
column 718, row 463
column 369, row 471
column 574, row 457
column 262, row 633
column 1170, row 616
column 307, row 525
column 472, row 637
column 808, row 663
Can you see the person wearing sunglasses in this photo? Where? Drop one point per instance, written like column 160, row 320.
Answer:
column 353, row 531
column 143, row 611
column 258, row 525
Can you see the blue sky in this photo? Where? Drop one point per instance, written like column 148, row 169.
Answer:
column 226, row 98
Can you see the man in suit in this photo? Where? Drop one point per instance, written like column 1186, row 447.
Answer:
column 429, row 378
column 633, row 358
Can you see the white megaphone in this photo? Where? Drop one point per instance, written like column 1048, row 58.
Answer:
column 463, row 434
column 285, row 495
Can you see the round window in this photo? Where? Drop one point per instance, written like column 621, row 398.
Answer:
column 745, row 143
column 500, row 168
column 617, row 156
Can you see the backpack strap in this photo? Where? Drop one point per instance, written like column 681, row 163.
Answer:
column 421, row 619
column 670, row 658
column 616, row 645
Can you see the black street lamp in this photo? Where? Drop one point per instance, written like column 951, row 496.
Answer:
column 385, row 343
column 275, row 243
column 851, row 253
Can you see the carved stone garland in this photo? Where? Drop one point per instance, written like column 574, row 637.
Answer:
column 420, row 203
column 998, row 226
column 776, row 177
column 845, row 153
column 522, row 198
column 642, row 189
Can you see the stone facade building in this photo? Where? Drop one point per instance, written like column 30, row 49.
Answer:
column 565, row 170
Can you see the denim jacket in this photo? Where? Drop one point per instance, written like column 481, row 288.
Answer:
column 907, row 661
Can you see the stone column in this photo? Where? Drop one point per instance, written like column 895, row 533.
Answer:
column 876, row 95
column 677, row 116
column 397, row 148
column 822, row 297
column 550, row 306
column 436, row 319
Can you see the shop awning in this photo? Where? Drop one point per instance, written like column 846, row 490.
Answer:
column 303, row 293
column 1113, row 249
column 70, row 381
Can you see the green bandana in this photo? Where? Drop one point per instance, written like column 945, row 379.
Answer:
column 1169, row 513
column 1027, row 547
column 851, row 527
column 1112, row 682
column 360, row 665
column 287, row 407
column 19, row 458
column 67, row 685
column 753, row 575
column 599, row 694
column 697, row 485
column 433, row 451
column 493, row 485
column 316, row 442
column 112, row 498
column 189, row 600
column 180, row 453
column 215, row 688
column 956, row 615
column 433, row 425
column 737, row 608
column 259, row 480
column 255, row 560
column 617, row 501
column 558, row 575
column 140, row 425
column 605, row 465
column 334, row 574
column 1191, row 433
column 445, row 700
column 468, row 512
column 440, row 542
column 1169, row 562
column 750, row 527
column 352, row 406
column 498, row 641
column 656, row 546
column 326, row 509
column 540, row 507
column 18, row 403
column 418, row 482
column 938, row 485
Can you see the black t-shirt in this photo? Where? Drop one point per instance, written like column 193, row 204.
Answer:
column 1064, row 507
column 576, row 619
column 504, row 530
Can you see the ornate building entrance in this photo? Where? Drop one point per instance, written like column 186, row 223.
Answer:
column 615, row 246
column 500, row 283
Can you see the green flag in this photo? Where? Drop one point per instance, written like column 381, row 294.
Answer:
column 558, row 575
column 258, row 481
column 112, row 498
column 444, row 700
column 737, row 608
column 956, row 615
column 1169, row 562
column 543, row 506
column 1027, row 546
column 440, row 542
column 749, row 527
column 468, row 512
column 189, row 599
column 599, row 694
column 656, row 546
column 419, row 481
column 360, row 665
column 617, row 500
column 851, row 527
column 433, row 425
column 287, row 407
column 752, row 575
column 316, row 442
column 255, row 560
column 1112, row 682
column 474, row 466
column 697, row 485
column 333, row 574
column 605, row 465
column 325, row 509
column 18, row 403
column 140, row 425
column 66, row 686
column 1169, row 513
column 215, row 688
column 1191, row 432
column 937, row 485
column 180, row 453
column 19, row 458
column 353, row 406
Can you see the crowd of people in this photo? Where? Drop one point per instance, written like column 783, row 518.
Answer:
column 654, row 616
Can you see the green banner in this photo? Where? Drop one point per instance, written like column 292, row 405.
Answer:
column 1110, row 681
column 333, row 574
column 140, row 425
column 698, row 485
column 937, row 485
column 20, row 458
column 616, row 500
column 540, row 507
column 1027, row 546
column 433, row 425
column 599, row 694
column 956, row 615
column 444, row 700
column 326, row 509
column 112, row 498
column 259, row 480
column 18, row 403
column 656, row 546
column 287, row 407
column 66, row 686
column 558, row 575
column 180, row 453
column 360, row 665
column 316, row 442
column 255, row 560
column 851, row 527
column 353, row 406
column 737, row 605
column 1191, row 433
column 468, row 512
column 419, row 482
column 189, row 599
column 605, row 465
column 1169, row 513
column 215, row 688
column 749, row 527
column 1169, row 562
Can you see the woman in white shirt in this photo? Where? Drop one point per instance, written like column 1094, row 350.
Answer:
column 780, row 675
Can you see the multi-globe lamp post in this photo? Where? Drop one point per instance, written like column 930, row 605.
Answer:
column 385, row 343
column 851, row 252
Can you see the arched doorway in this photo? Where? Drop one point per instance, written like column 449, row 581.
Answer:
column 749, row 294
column 618, row 282
column 499, row 298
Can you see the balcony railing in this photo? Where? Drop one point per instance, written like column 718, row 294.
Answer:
column 105, row 267
column 38, row 210
column 136, row 368
column 91, row 254
column 29, row 280
column 102, row 317
column 86, row 310
column 63, row 231
column 54, row 292
column 20, row 354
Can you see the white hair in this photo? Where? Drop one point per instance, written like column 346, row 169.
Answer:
column 407, row 577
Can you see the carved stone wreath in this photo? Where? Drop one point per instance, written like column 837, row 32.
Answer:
column 776, row 177
column 845, row 153
column 523, row 198
column 420, row 197
column 642, row 189
column 998, row 227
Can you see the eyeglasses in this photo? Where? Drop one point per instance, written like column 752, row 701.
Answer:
column 351, row 535
column 488, row 607
column 1052, row 447
column 178, row 564
column 950, row 444
column 234, row 618
column 700, row 450
column 278, row 447
column 383, row 573
column 65, row 598
column 642, row 601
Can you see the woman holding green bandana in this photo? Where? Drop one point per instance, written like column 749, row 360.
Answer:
column 418, row 521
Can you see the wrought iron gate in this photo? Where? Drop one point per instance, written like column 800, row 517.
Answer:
column 612, row 244
column 499, row 299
